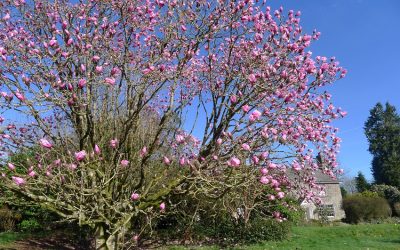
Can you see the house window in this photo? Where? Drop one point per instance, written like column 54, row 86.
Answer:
column 326, row 210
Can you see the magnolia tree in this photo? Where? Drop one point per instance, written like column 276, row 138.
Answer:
column 127, row 104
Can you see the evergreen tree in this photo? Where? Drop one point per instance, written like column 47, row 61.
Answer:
column 383, row 133
column 361, row 183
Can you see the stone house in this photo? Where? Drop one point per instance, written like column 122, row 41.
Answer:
column 331, row 200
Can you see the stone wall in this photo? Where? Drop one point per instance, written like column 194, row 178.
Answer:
column 333, row 196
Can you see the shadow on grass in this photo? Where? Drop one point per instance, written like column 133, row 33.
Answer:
column 47, row 240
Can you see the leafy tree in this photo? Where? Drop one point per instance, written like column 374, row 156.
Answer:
column 343, row 191
column 361, row 183
column 383, row 133
column 113, row 90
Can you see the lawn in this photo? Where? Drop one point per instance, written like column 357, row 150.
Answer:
column 9, row 237
column 367, row 236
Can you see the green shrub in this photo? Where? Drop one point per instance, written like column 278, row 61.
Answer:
column 360, row 208
column 390, row 193
column 226, row 230
column 7, row 221
column 368, row 193
column 30, row 225
column 396, row 208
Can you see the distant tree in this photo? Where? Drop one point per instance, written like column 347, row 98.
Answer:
column 361, row 183
column 348, row 183
column 343, row 191
column 383, row 133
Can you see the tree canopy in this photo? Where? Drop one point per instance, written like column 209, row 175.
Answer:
column 383, row 133
column 112, row 93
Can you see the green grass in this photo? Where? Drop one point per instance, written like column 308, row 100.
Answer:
column 7, row 238
column 366, row 236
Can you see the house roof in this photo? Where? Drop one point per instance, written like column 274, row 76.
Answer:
column 320, row 177
column 324, row 178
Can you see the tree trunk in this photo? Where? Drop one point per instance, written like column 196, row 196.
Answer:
column 103, row 240
column 100, row 238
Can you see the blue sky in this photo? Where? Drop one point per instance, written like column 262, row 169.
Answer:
column 364, row 35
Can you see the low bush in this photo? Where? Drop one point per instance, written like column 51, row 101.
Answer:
column 30, row 225
column 396, row 208
column 360, row 208
column 226, row 230
column 8, row 219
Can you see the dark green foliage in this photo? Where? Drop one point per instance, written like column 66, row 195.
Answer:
column 391, row 194
column 225, row 230
column 383, row 133
column 360, row 208
column 343, row 191
column 8, row 219
column 30, row 225
column 361, row 183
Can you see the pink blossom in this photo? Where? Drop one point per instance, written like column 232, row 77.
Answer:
column 71, row 166
column 115, row 71
column 143, row 151
column 45, row 143
column 296, row 166
column 252, row 78
column 18, row 180
column 81, row 83
column 114, row 143
column 234, row 162
column 53, row 42
column 182, row 161
column 219, row 141
column 264, row 180
column 246, row 108
column 245, row 147
column 162, row 206
column 32, row 173
column 272, row 165
column 271, row 197
column 11, row 166
column 95, row 58
column 179, row 138
column 233, row 99
column 99, row 69
column 264, row 155
column 124, row 163
column 7, row 16
column 183, row 28
column 264, row 171
column 135, row 196
column 280, row 195
column 256, row 114
column 110, row 81
column 97, row 149
column 255, row 159
column 80, row 156
column 166, row 160
column 20, row 96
